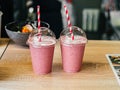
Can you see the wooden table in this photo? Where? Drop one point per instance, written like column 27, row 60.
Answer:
column 3, row 45
column 16, row 70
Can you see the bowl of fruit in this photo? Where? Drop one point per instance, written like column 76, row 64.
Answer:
column 19, row 32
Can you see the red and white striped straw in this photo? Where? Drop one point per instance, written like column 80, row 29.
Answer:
column 38, row 18
column 69, row 22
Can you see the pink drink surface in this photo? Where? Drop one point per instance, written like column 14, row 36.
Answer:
column 72, row 56
column 42, row 58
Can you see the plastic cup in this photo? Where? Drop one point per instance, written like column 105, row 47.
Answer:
column 42, row 51
column 72, row 51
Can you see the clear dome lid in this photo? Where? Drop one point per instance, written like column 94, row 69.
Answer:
column 78, row 33
column 45, row 38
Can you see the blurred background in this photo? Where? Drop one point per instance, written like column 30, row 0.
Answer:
column 100, row 19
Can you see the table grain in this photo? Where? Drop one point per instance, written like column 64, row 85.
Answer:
column 3, row 45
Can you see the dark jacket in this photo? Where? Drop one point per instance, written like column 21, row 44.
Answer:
column 51, row 13
column 6, row 6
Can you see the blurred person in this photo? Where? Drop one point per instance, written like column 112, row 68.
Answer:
column 6, row 6
column 50, row 13
column 20, row 10
column 70, row 7
column 108, row 5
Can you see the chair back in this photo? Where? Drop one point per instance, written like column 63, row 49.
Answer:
column 90, row 20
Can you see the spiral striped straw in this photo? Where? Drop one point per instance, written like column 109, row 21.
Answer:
column 38, row 18
column 69, row 22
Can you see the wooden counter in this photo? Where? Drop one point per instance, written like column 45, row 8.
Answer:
column 3, row 45
column 96, row 74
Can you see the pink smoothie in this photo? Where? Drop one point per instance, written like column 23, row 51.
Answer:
column 72, row 54
column 42, row 56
